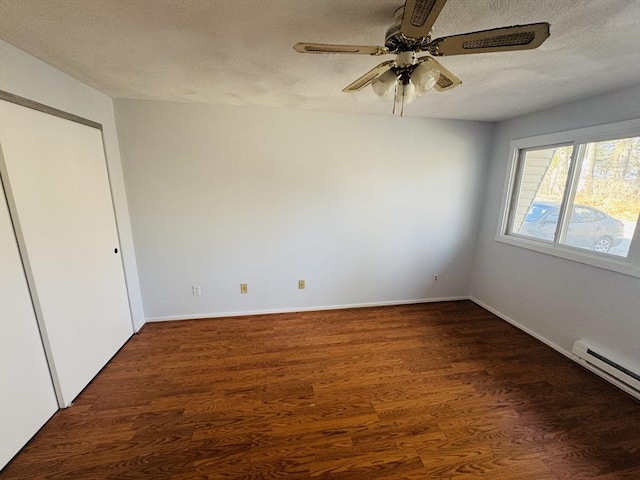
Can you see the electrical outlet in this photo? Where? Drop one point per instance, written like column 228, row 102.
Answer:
column 195, row 289
column 244, row 288
column 436, row 277
column 301, row 284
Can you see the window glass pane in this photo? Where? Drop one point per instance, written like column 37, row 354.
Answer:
column 542, row 183
column 607, row 198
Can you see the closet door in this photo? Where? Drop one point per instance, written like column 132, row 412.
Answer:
column 27, row 398
column 58, row 190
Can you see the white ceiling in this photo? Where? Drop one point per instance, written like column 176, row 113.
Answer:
column 240, row 51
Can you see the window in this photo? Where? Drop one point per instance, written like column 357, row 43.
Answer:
column 577, row 195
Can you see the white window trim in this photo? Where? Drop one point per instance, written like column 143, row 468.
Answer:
column 610, row 131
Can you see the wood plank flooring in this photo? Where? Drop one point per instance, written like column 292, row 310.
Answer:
column 434, row 391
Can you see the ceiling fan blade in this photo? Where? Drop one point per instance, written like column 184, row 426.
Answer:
column 419, row 17
column 447, row 80
column 332, row 48
column 517, row 37
column 365, row 79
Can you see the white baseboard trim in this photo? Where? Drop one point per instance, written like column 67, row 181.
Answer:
column 305, row 309
column 614, row 381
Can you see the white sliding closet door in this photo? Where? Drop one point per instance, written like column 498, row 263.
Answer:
column 58, row 189
column 27, row 399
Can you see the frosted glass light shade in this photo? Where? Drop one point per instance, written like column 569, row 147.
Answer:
column 385, row 84
column 424, row 78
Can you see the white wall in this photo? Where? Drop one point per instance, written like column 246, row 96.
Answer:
column 28, row 77
column 365, row 209
column 557, row 300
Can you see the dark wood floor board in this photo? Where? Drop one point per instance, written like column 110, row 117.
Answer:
column 441, row 391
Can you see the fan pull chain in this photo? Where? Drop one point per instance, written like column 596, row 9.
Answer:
column 395, row 96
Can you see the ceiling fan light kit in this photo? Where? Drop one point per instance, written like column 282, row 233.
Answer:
column 406, row 78
column 410, row 76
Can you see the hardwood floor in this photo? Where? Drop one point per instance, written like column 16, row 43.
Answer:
column 435, row 391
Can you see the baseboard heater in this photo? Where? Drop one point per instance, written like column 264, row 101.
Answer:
column 607, row 366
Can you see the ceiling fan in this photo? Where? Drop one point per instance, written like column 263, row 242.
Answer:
column 409, row 76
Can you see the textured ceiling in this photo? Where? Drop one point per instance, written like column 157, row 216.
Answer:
column 240, row 51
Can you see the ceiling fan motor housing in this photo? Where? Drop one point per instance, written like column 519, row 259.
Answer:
column 397, row 42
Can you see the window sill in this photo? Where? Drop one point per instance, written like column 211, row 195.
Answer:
column 607, row 262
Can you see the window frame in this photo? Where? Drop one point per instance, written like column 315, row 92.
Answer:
column 577, row 138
